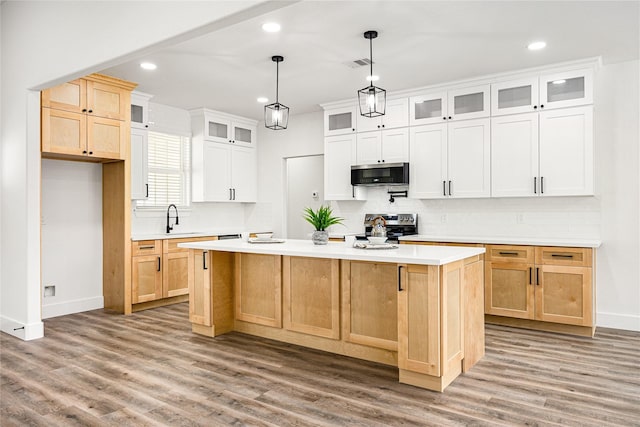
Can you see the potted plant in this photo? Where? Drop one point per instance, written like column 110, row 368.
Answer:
column 321, row 220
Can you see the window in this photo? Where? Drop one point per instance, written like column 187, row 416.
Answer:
column 169, row 163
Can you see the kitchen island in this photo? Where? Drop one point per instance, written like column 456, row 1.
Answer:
column 419, row 308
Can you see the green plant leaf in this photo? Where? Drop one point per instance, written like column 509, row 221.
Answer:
column 322, row 218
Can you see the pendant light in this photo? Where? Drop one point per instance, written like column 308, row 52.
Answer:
column 276, row 115
column 372, row 99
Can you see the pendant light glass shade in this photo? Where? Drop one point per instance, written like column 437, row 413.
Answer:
column 372, row 99
column 276, row 115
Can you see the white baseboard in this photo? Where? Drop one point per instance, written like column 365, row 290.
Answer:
column 70, row 307
column 26, row 332
column 618, row 321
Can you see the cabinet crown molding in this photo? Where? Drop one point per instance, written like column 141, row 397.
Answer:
column 113, row 81
column 202, row 111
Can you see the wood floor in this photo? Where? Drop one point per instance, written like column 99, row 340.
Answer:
column 97, row 368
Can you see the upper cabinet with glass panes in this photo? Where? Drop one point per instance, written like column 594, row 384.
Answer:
column 548, row 91
column 455, row 104
column 225, row 128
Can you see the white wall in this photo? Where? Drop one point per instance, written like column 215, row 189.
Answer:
column 39, row 51
column 613, row 215
column 71, row 236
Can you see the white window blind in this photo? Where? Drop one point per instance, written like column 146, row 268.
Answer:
column 169, row 162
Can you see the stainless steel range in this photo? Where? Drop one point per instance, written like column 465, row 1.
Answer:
column 397, row 225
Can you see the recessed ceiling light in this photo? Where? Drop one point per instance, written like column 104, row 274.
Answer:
column 263, row 100
column 559, row 82
column 373, row 78
column 271, row 27
column 148, row 66
column 536, row 45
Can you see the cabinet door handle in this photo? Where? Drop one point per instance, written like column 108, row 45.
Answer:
column 444, row 188
column 90, row 111
column 508, row 253
column 542, row 185
column 159, row 264
column 535, row 107
column 90, row 152
column 147, row 247
column 561, row 256
column 84, row 110
column 537, row 276
column 400, row 279
column 147, row 185
column 535, row 185
column 530, row 274
column 204, row 260
column 449, row 187
column 353, row 192
column 234, row 194
column 230, row 194
column 84, row 152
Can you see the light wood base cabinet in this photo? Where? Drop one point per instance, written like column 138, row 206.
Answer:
column 421, row 319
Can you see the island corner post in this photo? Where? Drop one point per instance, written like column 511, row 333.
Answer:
column 426, row 319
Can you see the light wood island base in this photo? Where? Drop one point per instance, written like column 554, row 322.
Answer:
column 425, row 319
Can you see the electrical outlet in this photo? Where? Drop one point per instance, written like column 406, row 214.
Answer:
column 315, row 194
column 50, row 291
column 443, row 218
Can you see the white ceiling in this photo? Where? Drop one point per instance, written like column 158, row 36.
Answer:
column 420, row 43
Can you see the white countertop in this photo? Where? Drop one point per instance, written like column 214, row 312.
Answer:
column 182, row 235
column 410, row 254
column 538, row 241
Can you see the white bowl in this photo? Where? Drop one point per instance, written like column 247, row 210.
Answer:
column 376, row 240
column 264, row 236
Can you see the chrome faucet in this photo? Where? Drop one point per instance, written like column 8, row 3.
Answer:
column 170, row 227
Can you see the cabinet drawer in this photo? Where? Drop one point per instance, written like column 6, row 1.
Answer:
column 578, row 257
column 510, row 254
column 171, row 245
column 146, row 247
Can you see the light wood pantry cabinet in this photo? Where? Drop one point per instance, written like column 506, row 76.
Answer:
column 86, row 119
column 543, row 154
column 387, row 146
column 146, row 271
column 450, row 160
column 447, row 105
column 549, row 284
column 139, row 164
column 339, row 156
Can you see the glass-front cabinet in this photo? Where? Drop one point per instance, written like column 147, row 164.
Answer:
column 456, row 104
column 222, row 129
column 340, row 121
column 549, row 91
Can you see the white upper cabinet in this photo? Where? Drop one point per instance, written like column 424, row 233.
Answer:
column 566, row 152
column 450, row 160
column 539, row 93
column 514, row 96
column 455, row 104
column 340, row 121
column 387, row 146
column 568, row 89
column 225, row 128
column 139, row 167
column 396, row 116
column 339, row 155
column 140, row 110
column 514, row 155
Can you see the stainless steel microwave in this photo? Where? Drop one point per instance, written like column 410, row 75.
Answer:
column 380, row 174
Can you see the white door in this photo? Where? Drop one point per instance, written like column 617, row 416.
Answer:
column 216, row 172
column 429, row 108
column 428, row 161
column 139, row 166
column 469, row 103
column 340, row 121
column 469, row 159
column 514, row 155
column 244, row 134
column 368, row 148
column 304, row 179
column 514, row 96
column 244, row 177
column 396, row 114
column 339, row 155
column 568, row 89
column 394, row 146
column 217, row 129
column 566, row 152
